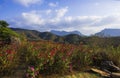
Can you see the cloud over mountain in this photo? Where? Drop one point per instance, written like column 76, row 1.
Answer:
column 46, row 20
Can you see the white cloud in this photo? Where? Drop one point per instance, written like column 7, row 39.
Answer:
column 57, row 20
column 48, row 11
column 53, row 4
column 61, row 12
column 32, row 18
column 28, row 2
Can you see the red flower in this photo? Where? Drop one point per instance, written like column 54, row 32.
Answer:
column 53, row 52
column 9, row 51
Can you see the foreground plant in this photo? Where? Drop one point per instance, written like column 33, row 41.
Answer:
column 7, row 60
column 32, row 72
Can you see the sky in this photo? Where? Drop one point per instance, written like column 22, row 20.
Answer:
column 86, row 16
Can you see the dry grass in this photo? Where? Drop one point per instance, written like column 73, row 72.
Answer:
column 75, row 75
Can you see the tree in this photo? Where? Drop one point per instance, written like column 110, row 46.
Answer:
column 6, row 33
column 3, row 24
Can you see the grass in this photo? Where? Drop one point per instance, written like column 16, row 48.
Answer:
column 74, row 75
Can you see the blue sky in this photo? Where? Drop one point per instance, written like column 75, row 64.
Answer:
column 86, row 16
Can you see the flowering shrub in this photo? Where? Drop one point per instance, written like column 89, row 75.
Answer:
column 50, row 58
column 57, row 58
column 56, row 65
column 32, row 72
column 7, row 59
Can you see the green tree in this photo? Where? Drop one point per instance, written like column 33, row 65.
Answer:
column 6, row 33
column 3, row 24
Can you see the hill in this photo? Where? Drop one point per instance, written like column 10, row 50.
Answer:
column 36, row 35
column 109, row 32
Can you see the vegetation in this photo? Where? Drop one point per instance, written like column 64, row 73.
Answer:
column 5, row 33
column 3, row 24
column 100, row 41
column 46, row 58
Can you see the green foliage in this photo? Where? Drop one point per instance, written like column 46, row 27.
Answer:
column 57, row 65
column 81, row 59
column 3, row 23
column 31, row 72
column 72, row 38
column 55, row 58
column 99, row 57
column 109, row 53
column 6, row 33
column 114, row 54
column 7, row 60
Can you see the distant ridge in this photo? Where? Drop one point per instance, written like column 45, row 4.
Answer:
column 109, row 32
column 30, row 34
column 63, row 33
column 71, row 38
column 36, row 35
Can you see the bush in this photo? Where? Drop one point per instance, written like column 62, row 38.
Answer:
column 7, row 60
column 81, row 59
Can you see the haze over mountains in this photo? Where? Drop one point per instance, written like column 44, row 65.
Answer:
column 74, row 37
column 63, row 33
column 105, row 32
column 36, row 35
column 109, row 32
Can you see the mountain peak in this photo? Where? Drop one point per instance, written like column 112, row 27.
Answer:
column 63, row 33
column 109, row 32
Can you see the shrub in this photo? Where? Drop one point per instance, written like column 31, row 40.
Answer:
column 81, row 60
column 7, row 60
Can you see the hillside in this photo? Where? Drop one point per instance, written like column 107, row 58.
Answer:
column 30, row 34
column 36, row 35
column 109, row 32
column 71, row 38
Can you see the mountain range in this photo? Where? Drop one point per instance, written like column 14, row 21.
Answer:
column 61, row 36
column 73, row 38
column 63, row 33
column 70, row 37
column 36, row 35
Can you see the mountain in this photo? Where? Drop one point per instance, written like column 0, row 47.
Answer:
column 30, row 34
column 36, row 35
column 63, row 33
column 109, row 32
